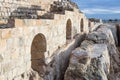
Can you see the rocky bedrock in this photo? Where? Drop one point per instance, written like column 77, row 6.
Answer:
column 97, row 58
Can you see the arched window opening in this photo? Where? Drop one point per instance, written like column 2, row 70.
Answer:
column 38, row 49
column 82, row 25
column 118, row 34
column 68, row 29
column 89, row 24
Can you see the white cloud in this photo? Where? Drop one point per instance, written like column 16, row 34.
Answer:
column 101, row 11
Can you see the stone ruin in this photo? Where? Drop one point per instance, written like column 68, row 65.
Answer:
column 37, row 38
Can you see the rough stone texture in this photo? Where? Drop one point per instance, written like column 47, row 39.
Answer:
column 57, row 68
column 102, row 35
column 17, row 34
column 96, row 59
column 29, row 75
column 90, row 64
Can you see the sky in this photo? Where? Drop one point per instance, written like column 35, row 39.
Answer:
column 104, row 9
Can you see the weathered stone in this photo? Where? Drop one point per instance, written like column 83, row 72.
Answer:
column 6, row 34
column 2, row 77
column 102, row 57
column 2, row 45
column 1, row 58
column 85, row 63
column 20, row 22
column 7, row 68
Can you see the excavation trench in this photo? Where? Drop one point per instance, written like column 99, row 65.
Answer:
column 56, row 69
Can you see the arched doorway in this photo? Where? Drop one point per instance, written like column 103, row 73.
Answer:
column 118, row 33
column 89, row 24
column 68, row 29
column 38, row 49
column 82, row 25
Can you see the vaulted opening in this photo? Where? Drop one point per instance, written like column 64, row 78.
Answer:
column 68, row 29
column 89, row 24
column 38, row 50
column 82, row 25
column 118, row 34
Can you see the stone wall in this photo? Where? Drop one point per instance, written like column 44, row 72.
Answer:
column 16, row 42
column 8, row 6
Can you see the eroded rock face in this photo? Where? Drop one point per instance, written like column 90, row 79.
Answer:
column 96, row 59
column 89, row 64
column 29, row 75
column 102, row 35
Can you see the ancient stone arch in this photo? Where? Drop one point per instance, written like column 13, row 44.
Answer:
column 82, row 25
column 68, row 29
column 38, row 49
column 118, row 34
column 89, row 24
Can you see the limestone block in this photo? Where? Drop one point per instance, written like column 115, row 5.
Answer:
column 10, row 42
column 28, row 65
column 18, row 78
column 17, row 32
column 2, row 45
column 0, row 69
column 28, row 58
column 19, row 23
column 1, row 58
column 15, row 55
column 14, row 72
column 21, row 42
column 3, row 22
column 2, row 77
column 9, row 75
column 7, row 67
column 6, row 34
column 20, row 61
column 21, row 69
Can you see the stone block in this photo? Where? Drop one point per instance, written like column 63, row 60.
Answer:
column 3, row 22
column 2, row 77
column 9, row 75
column 2, row 45
column 19, row 23
column 28, row 65
column 6, row 34
column 15, row 55
column 15, row 72
column 6, row 68
column 1, row 58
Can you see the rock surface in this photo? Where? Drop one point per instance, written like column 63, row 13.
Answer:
column 29, row 75
column 97, row 58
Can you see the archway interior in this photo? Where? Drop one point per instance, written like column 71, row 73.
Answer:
column 118, row 34
column 82, row 25
column 89, row 24
column 38, row 49
column 68, row 29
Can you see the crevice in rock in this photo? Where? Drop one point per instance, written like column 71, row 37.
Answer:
column 57, row 68
column 98, row 60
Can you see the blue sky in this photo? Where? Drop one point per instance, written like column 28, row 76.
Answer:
column 104, row 9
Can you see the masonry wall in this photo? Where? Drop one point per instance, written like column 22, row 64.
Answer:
column 8, row 6
column 16, row 42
